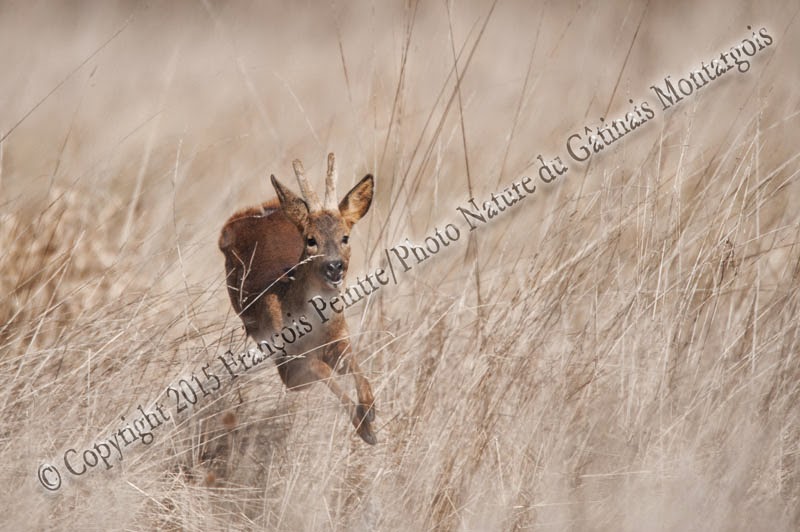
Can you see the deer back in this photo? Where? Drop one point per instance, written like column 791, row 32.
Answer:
column 260, row 245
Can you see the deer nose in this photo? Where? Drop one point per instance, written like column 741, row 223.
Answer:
column 334, row 269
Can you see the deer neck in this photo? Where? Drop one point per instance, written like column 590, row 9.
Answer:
column 305, row 284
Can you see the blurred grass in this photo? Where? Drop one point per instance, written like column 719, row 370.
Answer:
column 629, row 361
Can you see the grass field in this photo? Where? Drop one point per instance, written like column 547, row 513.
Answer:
column 618, row 351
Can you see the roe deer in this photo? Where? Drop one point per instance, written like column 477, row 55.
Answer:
column 278, row 256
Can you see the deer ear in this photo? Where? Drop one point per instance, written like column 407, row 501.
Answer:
column 356, row 203
column 292, row 205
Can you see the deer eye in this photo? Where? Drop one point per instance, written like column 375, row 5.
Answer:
column 311, row 242
column 345, row 239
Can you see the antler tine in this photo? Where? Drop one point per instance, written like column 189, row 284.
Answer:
column 305, row 187
column 330, row 184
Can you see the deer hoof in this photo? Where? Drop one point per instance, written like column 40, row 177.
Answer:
column 365, row 431
column 366, row 413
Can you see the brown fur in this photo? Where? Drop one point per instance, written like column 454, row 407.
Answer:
column 265, row 248
column 260, row 245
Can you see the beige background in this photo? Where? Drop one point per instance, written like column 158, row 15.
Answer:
column 619, row 352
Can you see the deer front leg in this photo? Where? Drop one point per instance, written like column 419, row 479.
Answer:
column 322, row 371
column 366, row 402
column 263, row 317
column 343, row 357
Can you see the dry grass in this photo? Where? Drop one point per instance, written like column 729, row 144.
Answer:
column 619, row 352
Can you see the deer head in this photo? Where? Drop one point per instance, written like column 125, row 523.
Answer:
column 325, row 228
